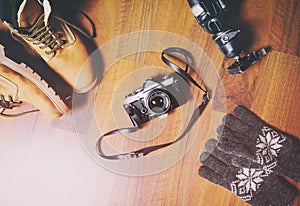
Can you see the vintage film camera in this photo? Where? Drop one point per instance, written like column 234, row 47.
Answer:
column 158, row 96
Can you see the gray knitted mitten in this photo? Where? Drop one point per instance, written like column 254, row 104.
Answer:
column 246, row 135
column 252, row 185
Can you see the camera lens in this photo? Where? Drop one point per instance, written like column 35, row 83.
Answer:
column 159, row 102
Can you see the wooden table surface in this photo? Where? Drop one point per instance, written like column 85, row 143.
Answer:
column 42, row 162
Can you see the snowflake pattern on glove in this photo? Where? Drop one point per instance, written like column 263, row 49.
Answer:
column 269, row 144
column 249, row 180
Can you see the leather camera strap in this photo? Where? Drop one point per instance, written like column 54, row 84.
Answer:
column 196, row 114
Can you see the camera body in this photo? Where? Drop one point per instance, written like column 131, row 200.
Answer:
column 158, row 96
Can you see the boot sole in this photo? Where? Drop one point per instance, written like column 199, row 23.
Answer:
column 35, row 78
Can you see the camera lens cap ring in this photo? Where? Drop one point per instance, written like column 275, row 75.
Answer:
column 158, row 101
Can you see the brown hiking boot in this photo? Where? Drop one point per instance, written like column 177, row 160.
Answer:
column 27, row 77
column 61, row 44
column 14, row 87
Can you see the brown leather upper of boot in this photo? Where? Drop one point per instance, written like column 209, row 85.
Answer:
column 21, row 54
column 61, row 44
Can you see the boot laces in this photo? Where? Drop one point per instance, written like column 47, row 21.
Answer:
column 44, row 35
column 8, row 103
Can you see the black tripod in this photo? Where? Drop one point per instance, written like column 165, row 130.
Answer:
column 213, row 16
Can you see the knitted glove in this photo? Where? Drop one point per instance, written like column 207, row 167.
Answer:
column 252, row 185
column 246, row 135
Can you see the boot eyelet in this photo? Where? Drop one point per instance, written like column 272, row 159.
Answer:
column 58, row 35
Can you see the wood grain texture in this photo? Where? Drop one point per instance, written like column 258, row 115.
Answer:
column 271, row 88
column 285, row 26
column 270, row 85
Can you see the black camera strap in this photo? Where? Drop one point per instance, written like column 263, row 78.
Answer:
column 196, row 114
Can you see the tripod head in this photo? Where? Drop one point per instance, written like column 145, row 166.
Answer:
column 214, row 17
